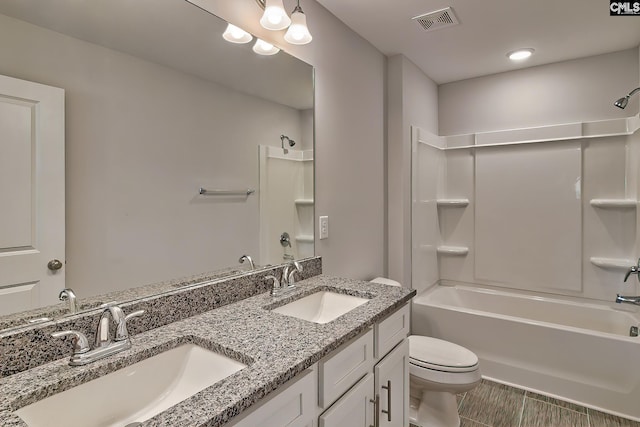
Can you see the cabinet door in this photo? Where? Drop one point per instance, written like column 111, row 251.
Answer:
column 354, row 409
column 392, row 384
column 292, row 407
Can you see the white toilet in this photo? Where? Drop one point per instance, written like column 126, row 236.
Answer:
column 438, row 370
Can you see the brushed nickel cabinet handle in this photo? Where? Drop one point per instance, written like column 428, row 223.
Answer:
column 376, row 410
column 388, row 411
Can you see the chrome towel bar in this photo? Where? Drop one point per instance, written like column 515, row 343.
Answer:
column 247, row 192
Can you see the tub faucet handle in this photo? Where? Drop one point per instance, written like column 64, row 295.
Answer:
column 635, row 269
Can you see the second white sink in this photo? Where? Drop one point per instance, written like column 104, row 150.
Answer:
column 321, row 307
column 135, row 393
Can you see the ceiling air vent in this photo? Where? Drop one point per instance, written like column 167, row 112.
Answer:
column 438, row 19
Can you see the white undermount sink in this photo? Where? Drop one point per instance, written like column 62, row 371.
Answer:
column 135, row 393
column 321, row 307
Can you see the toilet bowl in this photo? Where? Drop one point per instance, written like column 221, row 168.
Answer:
column 438, row 370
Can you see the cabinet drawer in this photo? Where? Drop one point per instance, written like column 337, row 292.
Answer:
column 392, row 330
column 342, row 370
column 292, row 407
column 354, row 409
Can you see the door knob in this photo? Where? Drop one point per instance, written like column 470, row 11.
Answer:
column 54, row 265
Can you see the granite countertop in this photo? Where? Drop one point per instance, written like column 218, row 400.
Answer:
column 275, row 347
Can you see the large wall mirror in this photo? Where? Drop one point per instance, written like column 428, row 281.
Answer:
column 156, row 106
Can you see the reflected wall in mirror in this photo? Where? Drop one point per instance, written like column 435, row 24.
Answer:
column 156, row 105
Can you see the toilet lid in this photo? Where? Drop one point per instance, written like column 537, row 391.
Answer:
column 433, row 353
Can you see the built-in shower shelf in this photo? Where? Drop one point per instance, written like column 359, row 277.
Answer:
column 304, row 238
column 614, row 203
column 452, row 250
column 452, row 203
column 304, row 202
column 612, row 263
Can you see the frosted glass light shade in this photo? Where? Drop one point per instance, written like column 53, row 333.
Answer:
column 298, row 32
column 263, row 48
column 234, row 34
column 274, row 16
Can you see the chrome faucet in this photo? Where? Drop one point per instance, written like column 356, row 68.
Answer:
column 288, row 277
column 70, row 296
column 287, row 283
column 244, row 258
column 104, row 346
column 635, row 269
column 628, row 300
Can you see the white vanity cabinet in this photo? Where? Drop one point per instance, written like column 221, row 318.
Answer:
column 364, row 383
column 295, row 406
column 381, row 397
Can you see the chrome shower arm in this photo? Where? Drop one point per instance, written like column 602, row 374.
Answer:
column 622, row 102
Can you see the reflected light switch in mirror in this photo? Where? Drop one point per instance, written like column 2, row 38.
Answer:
column 324, row 227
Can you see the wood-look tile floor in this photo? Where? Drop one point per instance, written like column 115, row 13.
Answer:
column 496, row 405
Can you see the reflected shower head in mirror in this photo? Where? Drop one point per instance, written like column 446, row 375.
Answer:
column 622, row 102
column 290, row 142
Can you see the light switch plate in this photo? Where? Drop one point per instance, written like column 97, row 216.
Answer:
column 324, row 227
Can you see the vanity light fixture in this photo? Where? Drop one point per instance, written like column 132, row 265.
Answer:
column 274, row 16
column 234, row 34
column 520, row 54
column 263, row 48
column 298, row 32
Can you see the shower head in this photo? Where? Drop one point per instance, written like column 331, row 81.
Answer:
column 622, row 102
column 290, row 142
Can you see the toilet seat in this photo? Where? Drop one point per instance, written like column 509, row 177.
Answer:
column 440, row 355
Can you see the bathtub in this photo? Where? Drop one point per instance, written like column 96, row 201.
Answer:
column 577, row 351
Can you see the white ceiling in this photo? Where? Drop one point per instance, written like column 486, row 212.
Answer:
column 557, row 29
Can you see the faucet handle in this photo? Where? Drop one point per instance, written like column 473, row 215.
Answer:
column 134, row 314
column 79, row 340
column 635, row 269
column 122, row 333
column 298, row 269
column 275, row 283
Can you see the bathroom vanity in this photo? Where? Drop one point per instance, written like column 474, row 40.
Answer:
column 352, row 370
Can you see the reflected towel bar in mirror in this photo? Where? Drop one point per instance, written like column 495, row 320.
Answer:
column 247, row 192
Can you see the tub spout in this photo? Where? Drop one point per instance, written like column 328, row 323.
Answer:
column 628, row 300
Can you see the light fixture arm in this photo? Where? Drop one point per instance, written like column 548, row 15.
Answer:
column 263, row 5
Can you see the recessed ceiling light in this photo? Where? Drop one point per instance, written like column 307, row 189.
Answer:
column 520, row 54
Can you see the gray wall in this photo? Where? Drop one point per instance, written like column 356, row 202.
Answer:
column 350, row 81
column 412, row 101
column 565, row 92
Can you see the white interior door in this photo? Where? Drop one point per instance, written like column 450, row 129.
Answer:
column 32, row 201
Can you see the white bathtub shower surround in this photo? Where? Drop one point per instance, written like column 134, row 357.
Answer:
column 574, row 350
column 550, row 209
